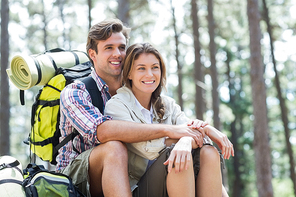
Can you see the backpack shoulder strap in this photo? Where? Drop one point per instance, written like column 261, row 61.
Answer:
column 97, row 101
column 94, row 92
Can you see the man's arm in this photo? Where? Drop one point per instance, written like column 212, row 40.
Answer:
column 131, row 132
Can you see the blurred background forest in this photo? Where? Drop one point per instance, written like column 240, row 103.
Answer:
column 231, row 63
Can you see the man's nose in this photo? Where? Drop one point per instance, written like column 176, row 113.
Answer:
column 116, row 52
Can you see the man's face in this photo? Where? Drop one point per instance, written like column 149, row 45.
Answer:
column 109, row 59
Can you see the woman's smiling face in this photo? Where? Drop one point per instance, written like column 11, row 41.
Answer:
column 145, row 74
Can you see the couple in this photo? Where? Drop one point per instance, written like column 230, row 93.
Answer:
column 122, row 154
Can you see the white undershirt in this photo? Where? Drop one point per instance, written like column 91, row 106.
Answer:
column 148, row 115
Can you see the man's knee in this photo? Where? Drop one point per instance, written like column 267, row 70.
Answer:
column 112, row 150
column 117, row 148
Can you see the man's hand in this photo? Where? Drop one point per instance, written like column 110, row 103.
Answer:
column 179, row 131
column 197, row 124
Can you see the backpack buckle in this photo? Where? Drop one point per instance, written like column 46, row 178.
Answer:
column 2, row 166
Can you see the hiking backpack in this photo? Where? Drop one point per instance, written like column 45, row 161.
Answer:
column 11, row 177
column 45, row 116
column 41, row 182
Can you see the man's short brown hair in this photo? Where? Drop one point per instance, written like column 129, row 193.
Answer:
column 103, row 30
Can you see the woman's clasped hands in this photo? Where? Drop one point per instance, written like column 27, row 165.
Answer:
column 215, row 135
column 180, row 157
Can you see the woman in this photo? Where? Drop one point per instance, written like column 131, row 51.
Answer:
column 139, row 100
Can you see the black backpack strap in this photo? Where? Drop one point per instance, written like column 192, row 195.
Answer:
column 65, row 141
column 22, row 97
column 97, row 101
column 11, row 181
column 11, row 165
column 94, row 92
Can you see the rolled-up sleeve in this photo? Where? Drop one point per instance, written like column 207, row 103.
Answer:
column 119, row 111
column 76, row 105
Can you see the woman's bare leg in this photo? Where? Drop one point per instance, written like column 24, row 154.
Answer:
column 181, row 183
column 209, row 179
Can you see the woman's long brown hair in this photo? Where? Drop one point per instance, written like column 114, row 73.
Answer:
column 132, row 54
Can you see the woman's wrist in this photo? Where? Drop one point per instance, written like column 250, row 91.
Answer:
column 208, row 130
column 191, row 141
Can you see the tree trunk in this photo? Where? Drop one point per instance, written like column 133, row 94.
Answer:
column 284, row 111
column 61, row 9
column 89, row 3
column 198, row 70
column 44, row 26
column 237, row 183
column 177, row 54
column 261, row 142
column 5, row 106
column 123, row 11
column 214, row 75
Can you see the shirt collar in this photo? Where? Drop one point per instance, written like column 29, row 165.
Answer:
column 100, row 82
column 148, row 114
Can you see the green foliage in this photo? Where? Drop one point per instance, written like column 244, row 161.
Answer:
column 283, row 187
column 35, row 27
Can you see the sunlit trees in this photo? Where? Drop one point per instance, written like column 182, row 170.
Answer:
column 4, row 93
column 261, row 130
column 204, row 40
column 198, row 67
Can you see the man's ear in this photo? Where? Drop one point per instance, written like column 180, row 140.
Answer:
column 92, row 54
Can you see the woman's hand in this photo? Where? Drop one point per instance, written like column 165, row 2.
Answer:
column 180, row 156
column 197, row 124
column 221, row 140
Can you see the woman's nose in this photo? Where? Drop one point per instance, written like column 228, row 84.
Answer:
column 149, row 72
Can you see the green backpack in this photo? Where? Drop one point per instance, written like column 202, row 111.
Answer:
column 41, row 182
column 45, row 117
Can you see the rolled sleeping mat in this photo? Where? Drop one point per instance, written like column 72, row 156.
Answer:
column 11, row 177
column 27, row 71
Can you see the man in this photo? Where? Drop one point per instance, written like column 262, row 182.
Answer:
column 101, row 168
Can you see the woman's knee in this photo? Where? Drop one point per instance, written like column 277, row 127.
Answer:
column 209, row 154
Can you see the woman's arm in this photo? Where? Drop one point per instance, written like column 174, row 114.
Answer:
column 220, row 139
column 180, row 156
column 215, row 135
